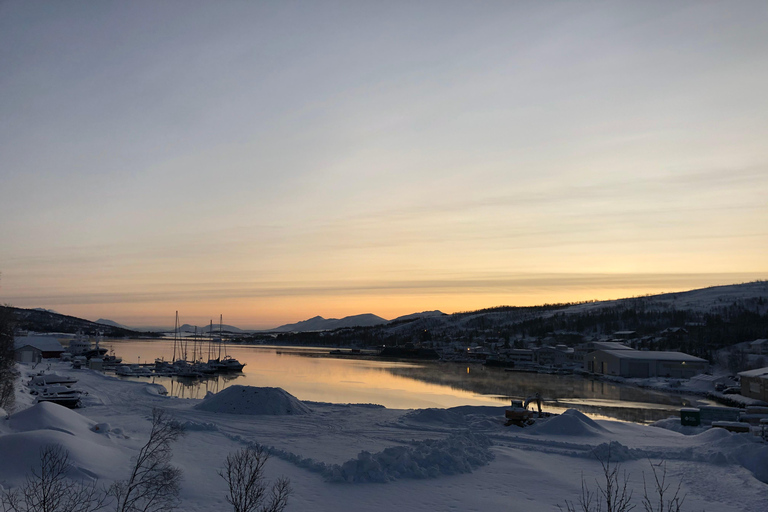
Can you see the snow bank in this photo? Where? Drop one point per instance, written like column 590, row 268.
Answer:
column 570, row 423
column 46, row 424
column 50, row 416
column 715, row 446
column 253, row 400
column 674, row 424
column 719, row 446
column 459, row 453
column 617, row 452
column 156, row 389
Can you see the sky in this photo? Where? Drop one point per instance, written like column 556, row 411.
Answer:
column 273, row 161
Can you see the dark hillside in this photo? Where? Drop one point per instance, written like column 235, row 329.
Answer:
column 46, row 321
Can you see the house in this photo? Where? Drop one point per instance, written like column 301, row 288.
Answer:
column 674, row 333
column 754, row 383
column 550, row 356
column 759, row 347
column 32, row 349
column 644, row 363
column 519, row 356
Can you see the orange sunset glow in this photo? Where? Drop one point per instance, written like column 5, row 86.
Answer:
column 272, row 164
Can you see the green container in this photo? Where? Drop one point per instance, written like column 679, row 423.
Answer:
column 690, row 417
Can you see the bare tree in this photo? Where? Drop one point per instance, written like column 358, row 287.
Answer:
column 8, row 371
column 154, row 484
column 49, row 490
column 616, row 497
column 662, row 488
column 244, row 474
column 613, row 494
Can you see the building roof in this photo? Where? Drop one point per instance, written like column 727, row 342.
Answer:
column 42, row 343
column 758, row 372
column 645, row 355
column 610, row 345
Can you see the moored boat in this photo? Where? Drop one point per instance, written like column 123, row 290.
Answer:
column 58, row 394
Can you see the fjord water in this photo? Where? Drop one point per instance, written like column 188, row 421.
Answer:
column 312, row 374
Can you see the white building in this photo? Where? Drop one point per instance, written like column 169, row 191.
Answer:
column 31, row 349
column 754, row 383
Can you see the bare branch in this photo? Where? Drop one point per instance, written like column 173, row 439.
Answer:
column 244, row 474
column 154, row 484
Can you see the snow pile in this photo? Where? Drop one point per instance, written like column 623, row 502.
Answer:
column 47, row 415
column 196, row 426
column 459, row 453
column 156, row 389
column 253, row 400
column 617, row 452
column 46, row 424
column 719, row 446
column 673, row 423
column 570, row 423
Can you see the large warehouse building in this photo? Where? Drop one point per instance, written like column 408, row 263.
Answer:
column 644, row 363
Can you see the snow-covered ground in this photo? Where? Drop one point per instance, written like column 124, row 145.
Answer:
column 364, row 457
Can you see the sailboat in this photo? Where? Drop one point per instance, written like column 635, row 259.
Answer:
column 228, row 363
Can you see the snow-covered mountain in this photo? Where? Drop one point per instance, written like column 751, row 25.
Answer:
column 206, row 328
column 319, row 323
column 416, row 316
column 111, row 323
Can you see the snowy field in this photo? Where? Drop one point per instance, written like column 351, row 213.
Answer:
column 365, row 457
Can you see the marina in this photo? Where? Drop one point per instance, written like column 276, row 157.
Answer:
column 313, row 374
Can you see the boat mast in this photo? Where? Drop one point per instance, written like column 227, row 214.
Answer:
column 194, row 347
column 221, row 340
column 175, row 336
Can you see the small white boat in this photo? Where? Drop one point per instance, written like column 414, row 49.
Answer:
column 133, row 370
column 58, row 394
column 46, row 379
column 124, row 371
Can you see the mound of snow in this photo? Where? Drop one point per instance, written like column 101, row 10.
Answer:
column 253, row 400
column 50, row 416
column 616, row 452
column 156, row 389
column 721, row 447
column 431, row 458
column 674, row 425
column 20, row 453
column 570, row 423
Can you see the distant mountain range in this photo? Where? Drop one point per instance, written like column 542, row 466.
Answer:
column 317, row 323
column 718, row 300
column 43, row 320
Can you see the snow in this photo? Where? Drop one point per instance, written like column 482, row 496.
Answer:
column 570, row 423
column 365, row 457
column 252, row 400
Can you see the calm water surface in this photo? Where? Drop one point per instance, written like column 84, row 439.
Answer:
column 310, row 374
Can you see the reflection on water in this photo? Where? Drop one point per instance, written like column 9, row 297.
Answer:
column 593, row 397
column 309, row 375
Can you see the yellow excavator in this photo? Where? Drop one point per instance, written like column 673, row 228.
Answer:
column 519, row 414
